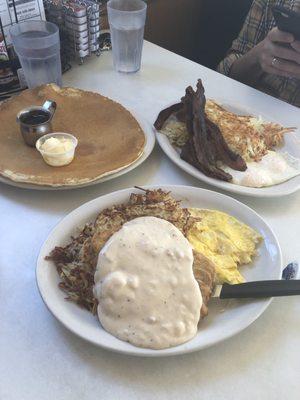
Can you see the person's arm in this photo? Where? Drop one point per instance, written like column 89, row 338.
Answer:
column 250, row 35
column 270, row 55
column 255, row 51
column 246, row 68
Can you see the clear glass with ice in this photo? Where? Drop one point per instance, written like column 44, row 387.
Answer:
column 127, row 20
column 38, row 48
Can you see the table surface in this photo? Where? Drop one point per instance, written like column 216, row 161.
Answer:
column 40, row 359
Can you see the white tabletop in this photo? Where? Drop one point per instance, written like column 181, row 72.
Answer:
column 41, row 360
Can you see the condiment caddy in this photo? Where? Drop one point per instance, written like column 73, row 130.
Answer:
column 80, row 26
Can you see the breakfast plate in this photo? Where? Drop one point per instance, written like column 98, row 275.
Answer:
column 149, row 132
column 225, row 318
column 110, row 139
column 291, row 146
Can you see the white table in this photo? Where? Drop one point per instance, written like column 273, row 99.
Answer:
column 41, row 360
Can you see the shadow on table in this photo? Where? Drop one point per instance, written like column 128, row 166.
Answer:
column 230, row 358
column 64, row 201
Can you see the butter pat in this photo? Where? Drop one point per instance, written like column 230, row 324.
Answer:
column 55, row 145
column 57, row 149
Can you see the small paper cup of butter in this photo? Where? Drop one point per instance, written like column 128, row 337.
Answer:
column 57, row 149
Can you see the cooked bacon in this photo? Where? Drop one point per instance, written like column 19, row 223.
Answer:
column 206, row 146
column 165, row 114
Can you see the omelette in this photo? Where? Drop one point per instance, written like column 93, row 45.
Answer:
column 225, row 241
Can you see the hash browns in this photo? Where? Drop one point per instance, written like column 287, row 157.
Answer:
column 76, row 262
column 248, row 136
column 245, row 135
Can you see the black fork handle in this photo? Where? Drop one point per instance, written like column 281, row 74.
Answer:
column 273, row 288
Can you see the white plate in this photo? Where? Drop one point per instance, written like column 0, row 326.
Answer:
column 292, row 146
column 225, row 319
column 149, row 132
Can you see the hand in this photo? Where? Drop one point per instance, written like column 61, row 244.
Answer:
column 279, row 54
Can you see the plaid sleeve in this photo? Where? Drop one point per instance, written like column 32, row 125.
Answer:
column 253, row 31
column 225, row 65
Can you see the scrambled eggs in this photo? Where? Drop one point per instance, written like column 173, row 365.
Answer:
column 227, row 242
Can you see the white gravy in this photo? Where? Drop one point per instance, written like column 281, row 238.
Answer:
column 145, row 286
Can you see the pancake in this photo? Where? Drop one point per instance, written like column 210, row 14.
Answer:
column 109, row 137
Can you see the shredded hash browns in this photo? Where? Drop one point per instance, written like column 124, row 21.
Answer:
column 76, row 262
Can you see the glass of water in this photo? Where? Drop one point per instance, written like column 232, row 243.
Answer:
column 38, row 48
column 127, row 20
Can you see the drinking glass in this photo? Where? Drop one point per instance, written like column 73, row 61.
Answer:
column 38, row 48
column 127, row 21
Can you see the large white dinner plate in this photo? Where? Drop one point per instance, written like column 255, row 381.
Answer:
column 225, row 319
column 291, row 145
column 149, row 132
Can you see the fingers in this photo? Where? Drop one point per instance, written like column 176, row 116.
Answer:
column 272, row 70
column 290, row 68
column 275, row 35
column 296, row 45
column 287, row 58
column 286, row 69
column 285, row 53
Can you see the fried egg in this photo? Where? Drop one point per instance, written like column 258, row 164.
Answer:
column 225, row 241
column 272, row 169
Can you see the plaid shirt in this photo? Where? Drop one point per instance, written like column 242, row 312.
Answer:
column 256, row 27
